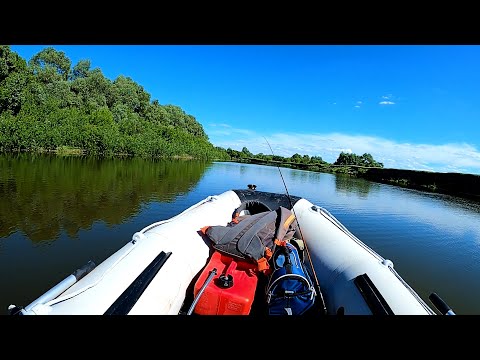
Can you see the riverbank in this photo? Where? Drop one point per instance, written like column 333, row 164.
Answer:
column 457, row 184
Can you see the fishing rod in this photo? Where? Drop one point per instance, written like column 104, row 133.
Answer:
column 317, row 284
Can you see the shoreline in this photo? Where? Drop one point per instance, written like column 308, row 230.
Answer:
column 462, row 185
column 457, row 184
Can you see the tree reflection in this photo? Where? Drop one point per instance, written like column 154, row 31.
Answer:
column 347, row 184
column 43, row 195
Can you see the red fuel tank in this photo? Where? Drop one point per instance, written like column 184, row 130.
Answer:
column 231, row 291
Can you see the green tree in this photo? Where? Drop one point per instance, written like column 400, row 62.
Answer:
column 13, row 80
column 176, row 117
column 234, row 154
column 80, row 70
column 50, row 65
column 368, row 160
column 126, row 91
column 246, row 153
column 316, row 159
column 10, row 62
column 92, row 90
column 345, row 159
column 353, row 159
column 296, row 158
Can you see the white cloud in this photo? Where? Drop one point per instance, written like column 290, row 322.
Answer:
column 453, row 157
column 359, row 102
column 357, row 106
column 386, row 103
column 214, row 129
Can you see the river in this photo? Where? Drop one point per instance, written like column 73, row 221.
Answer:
column 57, row 213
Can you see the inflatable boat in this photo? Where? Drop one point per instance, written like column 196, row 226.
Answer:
column 163, row 269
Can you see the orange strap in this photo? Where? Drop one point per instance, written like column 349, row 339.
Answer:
column 262, row 265
column 204, row 230
column 268, row 253
column 280, row 242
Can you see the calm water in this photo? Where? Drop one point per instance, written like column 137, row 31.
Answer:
column 57, row 213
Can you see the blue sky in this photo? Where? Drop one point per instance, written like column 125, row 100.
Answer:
column 409, row 106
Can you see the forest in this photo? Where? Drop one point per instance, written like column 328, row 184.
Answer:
column 48, row 105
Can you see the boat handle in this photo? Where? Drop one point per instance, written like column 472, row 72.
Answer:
column 440, row 304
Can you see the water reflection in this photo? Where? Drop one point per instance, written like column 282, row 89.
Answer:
column 347, row 184
column 43, row 195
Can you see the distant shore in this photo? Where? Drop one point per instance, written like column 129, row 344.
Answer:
column 457, row 184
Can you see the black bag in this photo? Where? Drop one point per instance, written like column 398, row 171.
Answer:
column 253, row 237
column 290, row 290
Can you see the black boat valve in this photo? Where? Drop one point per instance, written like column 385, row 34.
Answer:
column 225, row 281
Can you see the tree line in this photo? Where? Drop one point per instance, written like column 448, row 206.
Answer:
column 313, row 162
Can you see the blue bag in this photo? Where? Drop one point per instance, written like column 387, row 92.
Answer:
column 290, row 290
